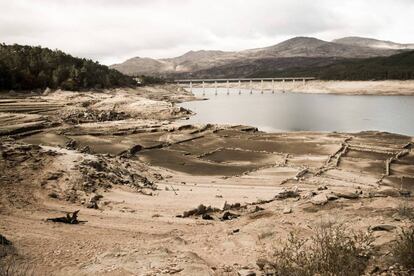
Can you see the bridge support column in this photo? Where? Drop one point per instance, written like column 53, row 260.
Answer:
column 261, row 86
column 215, row 87
column 304, row 81
column 239, row 87
column 251, row 86
column 204, row 89
column 228, row 88
column 273, row 86
column 191, row 86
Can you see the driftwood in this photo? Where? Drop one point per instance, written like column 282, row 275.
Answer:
column 394, row 158
column 70, row 218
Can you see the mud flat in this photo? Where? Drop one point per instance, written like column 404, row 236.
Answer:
column 138, row 177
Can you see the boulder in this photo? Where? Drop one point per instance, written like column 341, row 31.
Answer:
column 287, row 210
column 320, row 199
column 331, row 196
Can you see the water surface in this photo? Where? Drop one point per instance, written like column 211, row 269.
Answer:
column 305, row 112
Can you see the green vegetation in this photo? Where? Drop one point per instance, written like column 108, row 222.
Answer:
column 396, row 67
column 27, row 67
column 332, row 250
column 403, row 249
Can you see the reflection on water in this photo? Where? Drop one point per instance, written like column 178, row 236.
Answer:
column 309, row 112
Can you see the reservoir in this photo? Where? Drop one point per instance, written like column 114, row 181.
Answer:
column 275, row 112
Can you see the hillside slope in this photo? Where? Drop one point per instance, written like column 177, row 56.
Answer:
column 27, row 67
column 399, row 66
column 298, row 48
column 372, row 43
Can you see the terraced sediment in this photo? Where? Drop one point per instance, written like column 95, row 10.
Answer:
column 133, row 177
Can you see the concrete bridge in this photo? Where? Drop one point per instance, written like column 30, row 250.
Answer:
column 239, row 81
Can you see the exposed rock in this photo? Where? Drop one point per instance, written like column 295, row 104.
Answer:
column 200, row 210
column 331, row 196
column 4, row 241
column 93, row 201
column 287, row 210
column 307, row 195
column 322, row 187
column 291, row 193
column 246, row 272
column 207, row 217
column 256, row 209
column 347, row 194
column 383, row 227
column 320, row 199
column 6, row 248
column 229, row 216
column 235, row 206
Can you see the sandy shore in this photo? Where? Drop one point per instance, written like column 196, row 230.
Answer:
column 388, row 87
column 134, row 172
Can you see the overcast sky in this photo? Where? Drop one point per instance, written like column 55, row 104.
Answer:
column 111, row 31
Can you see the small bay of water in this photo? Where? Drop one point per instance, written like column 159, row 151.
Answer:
column 304, row 112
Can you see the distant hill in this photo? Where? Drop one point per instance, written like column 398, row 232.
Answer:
column 399, row 66
column 295, row 52
column 27, row 67
column 373, row 43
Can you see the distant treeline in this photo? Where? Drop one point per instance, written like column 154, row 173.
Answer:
column 396, row 67
column 27, row 67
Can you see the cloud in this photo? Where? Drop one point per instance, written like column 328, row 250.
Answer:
column 111, row 31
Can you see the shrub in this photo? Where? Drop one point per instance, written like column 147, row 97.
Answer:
column 332, row 250
column 403, row 249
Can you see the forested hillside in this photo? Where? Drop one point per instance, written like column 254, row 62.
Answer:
column 27, row 67
column 397, row 67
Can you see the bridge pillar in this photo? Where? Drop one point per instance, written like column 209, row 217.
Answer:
column 191, row 86
column 261, row 86
column 293, row 80
column 228, row 88
column 215, row 87
column 273, row 86
column 239, row 87
column 204, row 90
column 251, row 86
column 304, row 81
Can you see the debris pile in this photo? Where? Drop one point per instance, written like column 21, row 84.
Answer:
column 103, row 172
column 206, row 212
column 91, row 116
column 70, row 218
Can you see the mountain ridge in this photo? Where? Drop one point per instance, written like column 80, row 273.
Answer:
column 296, row 49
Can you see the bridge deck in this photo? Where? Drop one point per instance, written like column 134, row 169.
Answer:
column 244, row 79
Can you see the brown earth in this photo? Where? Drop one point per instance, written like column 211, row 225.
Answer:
column 135, row 173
